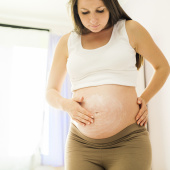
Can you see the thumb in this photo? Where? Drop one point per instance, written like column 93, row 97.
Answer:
column 139, row 101
column 78, row 99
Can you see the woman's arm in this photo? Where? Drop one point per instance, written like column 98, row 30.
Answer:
column 54, row 99
column 57, row 75
column 159, row 78
column 145, row 46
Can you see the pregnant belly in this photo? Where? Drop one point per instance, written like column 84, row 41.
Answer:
column 114, row 107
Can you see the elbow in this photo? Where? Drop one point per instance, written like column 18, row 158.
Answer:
column 166, row 68
column 47, row 94
column 50, row 93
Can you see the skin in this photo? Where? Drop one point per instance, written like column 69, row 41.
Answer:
column 93, row 16
column 113, row 110
column 139, row 39
column 142, row 43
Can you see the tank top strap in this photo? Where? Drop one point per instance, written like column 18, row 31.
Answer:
column 122, row 30
column 72, row 40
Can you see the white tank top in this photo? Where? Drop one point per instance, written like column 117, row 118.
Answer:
column 113, row 63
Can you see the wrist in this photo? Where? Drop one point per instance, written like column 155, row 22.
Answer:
column 64, row 104
column 143, row 99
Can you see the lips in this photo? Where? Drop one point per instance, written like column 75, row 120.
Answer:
column 94, row 26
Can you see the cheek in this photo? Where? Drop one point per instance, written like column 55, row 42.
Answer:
column 105, row 17
column 84, row 19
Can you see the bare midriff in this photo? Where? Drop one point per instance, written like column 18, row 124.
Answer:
column 113, row 106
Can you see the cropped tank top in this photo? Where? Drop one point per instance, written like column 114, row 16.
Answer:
column 113, row 63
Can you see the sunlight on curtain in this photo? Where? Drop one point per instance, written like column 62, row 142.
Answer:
column 57, row 122
column 22, row 70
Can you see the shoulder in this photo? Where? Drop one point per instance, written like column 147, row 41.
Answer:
column 135, row 27
column 63, row 42
column 64, row 38
column 131, row 26
column 136, row 32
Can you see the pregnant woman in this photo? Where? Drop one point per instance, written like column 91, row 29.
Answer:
column 102, row 56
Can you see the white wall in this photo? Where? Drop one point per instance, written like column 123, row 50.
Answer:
column 154, row 16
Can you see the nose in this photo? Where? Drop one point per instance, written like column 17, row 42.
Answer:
column 93, row 19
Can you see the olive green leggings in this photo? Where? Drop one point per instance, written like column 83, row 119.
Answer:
column 129, row 149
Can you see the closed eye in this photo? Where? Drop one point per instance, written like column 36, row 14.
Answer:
column 97, row 11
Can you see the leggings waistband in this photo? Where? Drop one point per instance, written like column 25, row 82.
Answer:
column 130, row 129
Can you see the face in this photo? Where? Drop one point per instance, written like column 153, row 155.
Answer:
column 93, row 14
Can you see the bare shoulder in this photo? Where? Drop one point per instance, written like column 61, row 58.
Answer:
column 136, row 31
column 145, row 45
column 130, row 26
column 66, row 36
column 135, row 26
column 58, row 69
column 63, row 40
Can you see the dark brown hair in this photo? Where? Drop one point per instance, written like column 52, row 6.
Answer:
column 116, row 13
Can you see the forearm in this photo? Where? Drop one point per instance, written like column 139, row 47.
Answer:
column 54, row 99
column 156, row 83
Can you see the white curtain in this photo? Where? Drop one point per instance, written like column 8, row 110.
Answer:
column 23, row 57
column 56, row 122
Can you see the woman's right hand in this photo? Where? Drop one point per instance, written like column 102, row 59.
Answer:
column 78, row 113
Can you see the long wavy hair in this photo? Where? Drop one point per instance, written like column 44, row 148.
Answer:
column 116, row 13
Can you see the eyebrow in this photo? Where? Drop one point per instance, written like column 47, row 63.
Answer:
column 96, row 8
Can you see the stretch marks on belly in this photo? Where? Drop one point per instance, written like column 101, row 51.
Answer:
column 108, row 114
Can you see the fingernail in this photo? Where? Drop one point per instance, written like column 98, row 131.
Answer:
column 92, row 116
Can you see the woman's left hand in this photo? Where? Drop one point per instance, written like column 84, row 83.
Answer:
column 142, row 116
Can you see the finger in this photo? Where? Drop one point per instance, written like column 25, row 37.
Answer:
column 139, row 101
column 79, row 100
column 85, row 112
column 142, row 117
column 140, row 113
column 142, row 122
column 84, row 118
column 145, row 122
column 79, row 122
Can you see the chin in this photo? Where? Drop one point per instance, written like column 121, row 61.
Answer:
column 98, row 29
column 95, row 30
